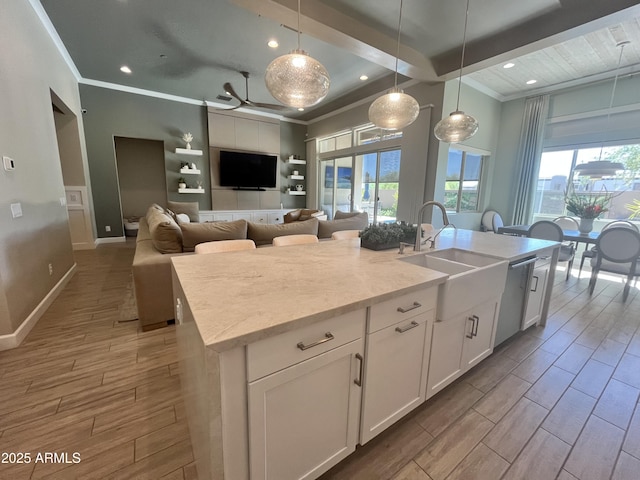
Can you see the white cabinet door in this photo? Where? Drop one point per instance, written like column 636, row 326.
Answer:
column 395, row 373
column 247, row 134
column 275, row 217
column 479, row 334
column 304, row 419
column 248, row 216
column 536, row 296
column 260, row 217
column 446, row 353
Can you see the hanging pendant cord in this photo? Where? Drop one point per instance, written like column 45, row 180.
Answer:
column 613, row 92
column 464, row 42
column 298, row 24
column 395, row 80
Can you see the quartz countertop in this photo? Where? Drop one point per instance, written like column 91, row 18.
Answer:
column 237, row 298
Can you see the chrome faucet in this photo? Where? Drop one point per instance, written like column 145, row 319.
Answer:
column 445, row 222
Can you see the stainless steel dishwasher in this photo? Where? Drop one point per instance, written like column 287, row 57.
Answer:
column 514, row 298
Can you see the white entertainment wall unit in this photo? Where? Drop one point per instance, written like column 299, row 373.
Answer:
column 241, row 132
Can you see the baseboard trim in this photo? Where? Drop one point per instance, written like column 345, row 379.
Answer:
column 14, row 339
column 83, row 246
column 110, row 240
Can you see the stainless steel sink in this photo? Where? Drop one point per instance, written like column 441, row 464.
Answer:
column 473, row 278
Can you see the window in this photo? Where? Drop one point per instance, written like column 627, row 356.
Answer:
column 556, row 175
column 462, row 185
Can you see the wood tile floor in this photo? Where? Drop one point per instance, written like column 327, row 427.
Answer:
column 556, row 402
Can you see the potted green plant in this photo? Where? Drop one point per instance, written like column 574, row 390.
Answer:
column 182, row 183
column 387, row 235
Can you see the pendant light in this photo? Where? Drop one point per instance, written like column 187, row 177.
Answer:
column 297, row 79
column 603, row 168
column 458, row 126
column 395, row 109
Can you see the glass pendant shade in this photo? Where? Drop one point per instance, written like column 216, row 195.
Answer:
column 457, row 127
column 297, row 80
column 394, row 110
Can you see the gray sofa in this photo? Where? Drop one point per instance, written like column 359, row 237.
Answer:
column 161, row 237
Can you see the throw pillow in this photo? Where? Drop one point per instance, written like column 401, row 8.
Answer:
column 165, row 233
column 189, row 208
column 359, row 221
column 263, row 234
column 195, row 233
column 340, row 215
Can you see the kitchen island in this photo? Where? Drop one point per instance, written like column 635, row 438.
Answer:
column 293, row 353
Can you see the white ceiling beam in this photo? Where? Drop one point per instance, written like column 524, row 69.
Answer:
column 331, row 26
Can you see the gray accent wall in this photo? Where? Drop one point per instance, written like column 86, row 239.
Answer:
column 30, row 69
column 112, row 113
column 292, row 142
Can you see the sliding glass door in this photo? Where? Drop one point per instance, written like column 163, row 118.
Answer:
column 379, row 183
column 336, row 185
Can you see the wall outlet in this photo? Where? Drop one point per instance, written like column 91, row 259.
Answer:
column 107, row 228
column 50, row 269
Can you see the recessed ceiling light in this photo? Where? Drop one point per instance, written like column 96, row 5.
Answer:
column 273, row 43
column 301, row 109
column 509, row 65
column 364, row 77
column 531, row 82
column 125, row 69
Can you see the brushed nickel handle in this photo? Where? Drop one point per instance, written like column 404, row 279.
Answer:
column 476, row 322
column 536, row 287
column 470, row 334
column 408, row 309
column 327, row 337
column 413, row 324
column 358, row 381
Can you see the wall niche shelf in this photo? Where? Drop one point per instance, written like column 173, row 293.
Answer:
column 296, row 192
column 296, row 161
column 190, row 171
column 191, row 190
column 185, row 151
column 296, row 177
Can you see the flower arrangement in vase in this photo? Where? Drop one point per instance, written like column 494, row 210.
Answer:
column 188, row 138
column 587, row 207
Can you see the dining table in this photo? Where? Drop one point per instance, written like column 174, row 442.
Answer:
column 568, row 235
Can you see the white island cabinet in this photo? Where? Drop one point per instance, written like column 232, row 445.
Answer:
column 283, row 383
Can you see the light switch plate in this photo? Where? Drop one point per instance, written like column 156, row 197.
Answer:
column 9, row 163
column 63, row 202
column 16, row 210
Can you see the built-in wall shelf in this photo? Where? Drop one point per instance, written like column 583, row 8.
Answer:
column 191, row 190
column 189, row 151
column 296, row 177
column 190, row 171
column 296, row 192
column 296, row 161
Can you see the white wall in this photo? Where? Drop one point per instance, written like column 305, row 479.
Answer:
column 30, row 67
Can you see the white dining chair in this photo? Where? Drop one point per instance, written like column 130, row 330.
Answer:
column 491, row 221
column 566, row 223
column 548, row 230
column 224, row 246
column 591, row 252
column 344, row 234
column 286, row 240
column 617, row 251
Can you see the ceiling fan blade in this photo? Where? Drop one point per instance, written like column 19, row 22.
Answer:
column 270, row 106
column 229, row 89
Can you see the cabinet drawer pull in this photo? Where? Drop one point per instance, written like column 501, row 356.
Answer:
column 534, row 289
column 358, row 381
column 327, row 337
column 413, row 324
column 408, row 309
column 476, row 322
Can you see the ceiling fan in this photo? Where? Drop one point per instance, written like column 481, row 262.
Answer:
column 246, row 102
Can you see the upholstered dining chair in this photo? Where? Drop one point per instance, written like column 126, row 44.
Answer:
column 617, row 251
column 566, row 223
column 547, row 230
column 294, row 240
column 491, row 221
column 344, row 234
column 224, row 246
column 591, row 252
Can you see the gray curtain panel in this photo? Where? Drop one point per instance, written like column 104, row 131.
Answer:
column 529, row 151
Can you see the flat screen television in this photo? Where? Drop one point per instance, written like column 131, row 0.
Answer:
column 244, row 170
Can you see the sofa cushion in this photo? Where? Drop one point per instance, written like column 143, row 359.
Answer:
column 165, row 232
column 195, row 233
column 192, row 209
column 263, row 234
column 358, row 221
column 340, row 214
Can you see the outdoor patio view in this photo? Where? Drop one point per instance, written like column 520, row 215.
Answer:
column 620, row 191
